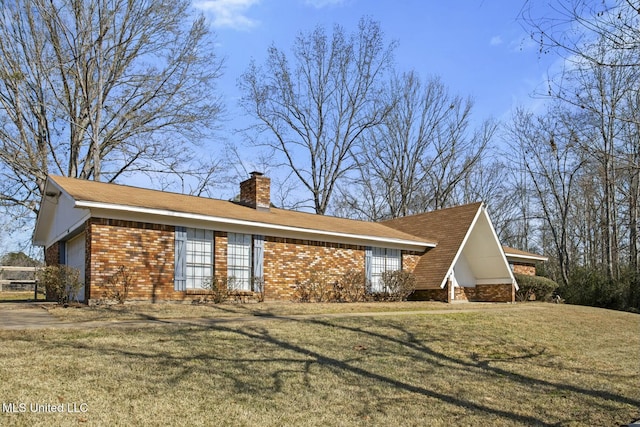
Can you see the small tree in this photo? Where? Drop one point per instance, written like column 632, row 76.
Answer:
column 119, row 285
column 352, row 286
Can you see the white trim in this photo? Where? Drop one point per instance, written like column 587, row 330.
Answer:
column 481, row 210
column 259, row 225
column 526, row 257
column 75, row 227
column 464, row 241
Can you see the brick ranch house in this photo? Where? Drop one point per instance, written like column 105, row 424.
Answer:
column 174, row 243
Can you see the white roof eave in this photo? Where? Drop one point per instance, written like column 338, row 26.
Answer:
column 526, row 257
column 416, row 245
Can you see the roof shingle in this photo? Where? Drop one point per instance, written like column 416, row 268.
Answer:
column 115, row 194
column 448, row 228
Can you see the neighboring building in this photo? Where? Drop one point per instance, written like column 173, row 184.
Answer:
column 174, row 243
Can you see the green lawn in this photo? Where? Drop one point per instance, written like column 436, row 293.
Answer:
column 20, row 296
column 538, row 364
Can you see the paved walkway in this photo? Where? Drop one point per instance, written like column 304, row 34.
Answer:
column 20, row 316
column 25, row 316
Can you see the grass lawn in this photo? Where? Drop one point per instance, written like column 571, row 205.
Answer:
column 538, row 364
column 141, row 311
column 20, row 296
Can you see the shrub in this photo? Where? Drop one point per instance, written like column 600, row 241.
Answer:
column 61, row 282
column 351, row 287
column 593, row 287
column 257, row 284
column 397, row 285
column 119, row 285
column 316, row 288
column 218, row 288
column 534, row 287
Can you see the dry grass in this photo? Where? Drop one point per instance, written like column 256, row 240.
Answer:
column 141, row 311
column 531, row 365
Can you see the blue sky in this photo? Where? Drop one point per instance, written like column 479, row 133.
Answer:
column 478, row 47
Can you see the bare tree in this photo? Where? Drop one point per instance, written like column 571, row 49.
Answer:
column 314, row 109
column 573, row 27
column 422, row 155
column 97, row 89
column 547, row 149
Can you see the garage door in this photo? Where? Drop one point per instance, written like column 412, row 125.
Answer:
column 75, row 259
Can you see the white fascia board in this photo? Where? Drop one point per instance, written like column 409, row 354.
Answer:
column 502, row 254
column 526, row 257
column 239, row 222
column 481, row 210
column 464, row 241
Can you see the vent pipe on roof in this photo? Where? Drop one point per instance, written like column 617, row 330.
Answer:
column 256, row 192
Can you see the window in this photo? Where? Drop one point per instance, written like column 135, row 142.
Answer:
column 193, row 258
column 199, row 257
column 379, row 260
column 239, row 261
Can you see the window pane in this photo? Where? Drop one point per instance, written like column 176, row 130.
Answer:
column 199, row 257
column 382, row 260
column 239, row 261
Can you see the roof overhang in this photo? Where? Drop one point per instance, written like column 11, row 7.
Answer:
column 311, row 234
column 525, row 258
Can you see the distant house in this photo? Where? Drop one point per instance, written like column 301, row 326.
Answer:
column 175, row 243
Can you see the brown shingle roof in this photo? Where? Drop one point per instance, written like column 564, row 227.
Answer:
column 115, row 194
column 448, row 228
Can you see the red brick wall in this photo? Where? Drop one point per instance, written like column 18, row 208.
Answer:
column 256, row 192
column 146, row 250
column 496, row 293
column 52, row 254
column 486, row 293
column 288, row 261
column 220, row 254
column 410, row 260
column 429, row 295
column 528, row 269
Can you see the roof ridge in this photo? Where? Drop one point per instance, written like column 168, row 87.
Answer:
column 93, row 182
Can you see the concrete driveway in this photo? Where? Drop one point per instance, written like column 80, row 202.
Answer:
column 26, row 316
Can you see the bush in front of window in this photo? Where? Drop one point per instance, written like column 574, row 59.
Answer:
column 397, row 285
column 257, row 285
column 351, row 287
column 218, row 288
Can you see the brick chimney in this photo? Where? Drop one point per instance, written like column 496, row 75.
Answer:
column 256, row 192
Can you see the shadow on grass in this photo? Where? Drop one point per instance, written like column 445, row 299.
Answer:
column 302, row 358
